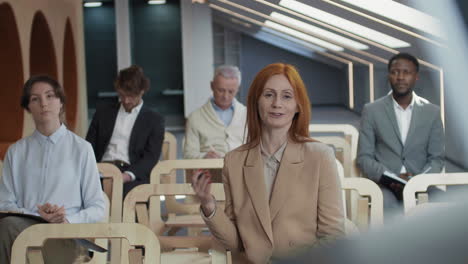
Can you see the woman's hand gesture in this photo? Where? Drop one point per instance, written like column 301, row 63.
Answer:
column 201, row 184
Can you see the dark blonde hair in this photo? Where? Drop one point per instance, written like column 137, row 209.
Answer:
column 299, row 130
column 132, row 80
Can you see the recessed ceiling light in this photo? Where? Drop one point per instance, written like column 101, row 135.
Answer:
column 344, row 24
column 157, row 2
column 292, row 39
column 402, row 14
column 303, row 36
column 92, row 4
column 319, row 31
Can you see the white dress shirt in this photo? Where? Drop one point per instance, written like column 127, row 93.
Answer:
column 120, row 140
column 60, row 169
column 403, row 117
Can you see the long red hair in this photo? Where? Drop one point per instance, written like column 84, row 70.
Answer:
column 299, row 130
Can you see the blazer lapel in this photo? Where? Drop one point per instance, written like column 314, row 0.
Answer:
column 392, row 117
column 288, row 173
column 255, row 182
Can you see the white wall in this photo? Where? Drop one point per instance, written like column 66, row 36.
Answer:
column 198, row 61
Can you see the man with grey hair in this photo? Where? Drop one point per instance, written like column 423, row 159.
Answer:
column 218, row 126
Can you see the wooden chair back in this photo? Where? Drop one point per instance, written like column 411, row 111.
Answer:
column 415, row 191
column 351, row 136
column 135, row 234
column 169, row 147
column 340, row 169
column 342, row 151
column 142, row 204
column 369, row 204
column 164, row 172
column 34, row 255
column 112, row 184
column 165, row 167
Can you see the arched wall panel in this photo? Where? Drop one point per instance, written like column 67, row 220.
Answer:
column 61, row 17
column 11, row 74
column 70, row 78
column 42, row 59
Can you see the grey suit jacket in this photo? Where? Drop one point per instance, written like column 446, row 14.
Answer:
column 380, row 147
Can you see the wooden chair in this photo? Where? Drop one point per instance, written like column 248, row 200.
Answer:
column 34, row 255
column 135, row 234
column 112, row 184
column 350, row 227
column 169, row 147
column 369, row 204
column 142, row 205
column 415, row 192
column 342, row 151
column 165, row 167
column 164, row 173
column 351, row 136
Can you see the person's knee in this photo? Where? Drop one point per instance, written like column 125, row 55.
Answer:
column 13, row 225
column 7, row 223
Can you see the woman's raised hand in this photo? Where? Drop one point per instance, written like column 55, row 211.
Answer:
column 201, row 184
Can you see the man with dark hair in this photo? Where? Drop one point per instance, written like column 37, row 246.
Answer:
column 128, row 134
column 401, row 134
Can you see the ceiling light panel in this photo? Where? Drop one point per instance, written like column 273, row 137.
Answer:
column 157, row 2
column 303, row 36
column 92, row 4
column 344, row 24
column 319, row 31
column 402, row 14
column 292, row 39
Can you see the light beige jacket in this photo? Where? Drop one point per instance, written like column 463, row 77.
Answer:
column 305, row 208
column 205, row 129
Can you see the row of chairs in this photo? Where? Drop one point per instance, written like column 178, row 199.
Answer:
column 143, row 204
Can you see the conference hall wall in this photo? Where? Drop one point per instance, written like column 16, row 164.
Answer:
column 40, row 37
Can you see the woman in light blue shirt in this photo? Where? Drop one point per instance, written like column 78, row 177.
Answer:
column 51, row 173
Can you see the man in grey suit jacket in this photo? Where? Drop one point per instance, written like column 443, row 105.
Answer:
column 401, row 134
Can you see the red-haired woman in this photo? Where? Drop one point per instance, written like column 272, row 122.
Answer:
column 282, row 188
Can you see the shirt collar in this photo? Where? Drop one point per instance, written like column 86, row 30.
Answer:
column 217, row 108
column 410, row 106
column 54, row 138
column 135, row 109
column 278, row 155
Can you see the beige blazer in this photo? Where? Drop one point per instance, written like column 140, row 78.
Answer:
column 305, row 207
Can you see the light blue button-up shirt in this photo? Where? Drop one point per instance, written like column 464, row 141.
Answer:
column 60, row 169
column 224, row 115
